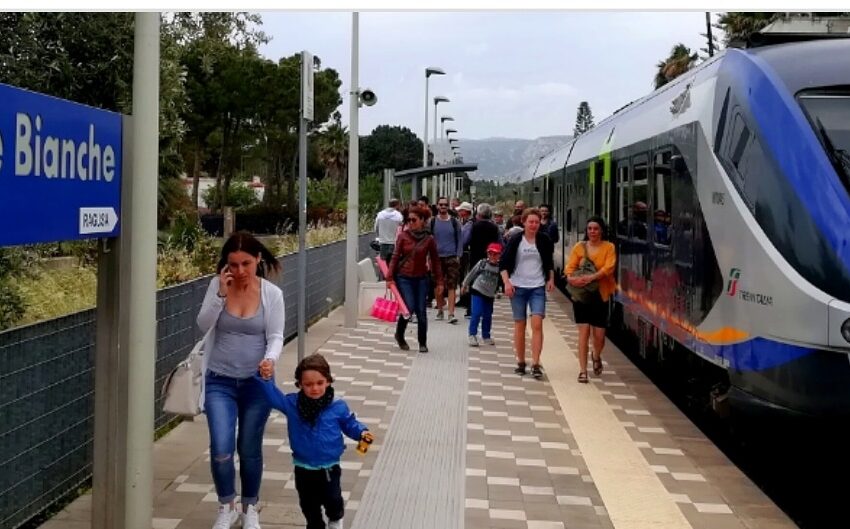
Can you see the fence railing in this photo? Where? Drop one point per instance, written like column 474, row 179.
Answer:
column 47, row 380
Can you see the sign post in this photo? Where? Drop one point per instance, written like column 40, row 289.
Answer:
column 306, row 115
column 61, row 178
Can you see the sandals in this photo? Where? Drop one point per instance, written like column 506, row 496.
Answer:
column 582, row 377
column 597, row 366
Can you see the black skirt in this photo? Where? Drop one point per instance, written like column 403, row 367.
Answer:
column 594, row 312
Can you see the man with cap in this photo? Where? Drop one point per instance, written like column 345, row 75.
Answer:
column 464, row 212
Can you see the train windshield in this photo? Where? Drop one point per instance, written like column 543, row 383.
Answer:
column 829, row 112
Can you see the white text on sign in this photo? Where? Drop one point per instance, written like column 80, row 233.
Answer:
column 56, row 157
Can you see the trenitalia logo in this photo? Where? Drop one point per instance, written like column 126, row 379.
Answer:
column 732, row 285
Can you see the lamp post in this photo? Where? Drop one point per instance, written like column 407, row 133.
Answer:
column 449, row 139
column 352, row 215
column 431, row 70
column 434, row 179
column 443, row 123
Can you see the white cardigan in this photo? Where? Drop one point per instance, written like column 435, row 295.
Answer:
column 274, row 318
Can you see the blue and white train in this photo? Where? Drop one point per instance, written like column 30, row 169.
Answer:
column 727, row 193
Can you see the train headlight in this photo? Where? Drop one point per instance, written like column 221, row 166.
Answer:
column 845, row 330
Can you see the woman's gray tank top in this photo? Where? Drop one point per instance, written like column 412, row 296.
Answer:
column 240, row 344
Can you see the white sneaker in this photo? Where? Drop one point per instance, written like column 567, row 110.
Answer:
column 250, row 518
column 335, row 525
column 489, row 341
column 473, row 340
column 226, row 517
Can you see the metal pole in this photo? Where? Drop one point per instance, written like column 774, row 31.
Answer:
column 425, row 134
column 141, row 265
column 435, row 178
column 352, row 224
column 388, row 185
column 302, row 236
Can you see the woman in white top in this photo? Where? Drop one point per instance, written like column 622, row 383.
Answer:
column 528, row 272
column 243, row 317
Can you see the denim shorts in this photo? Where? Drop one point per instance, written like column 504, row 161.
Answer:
column 523, row 297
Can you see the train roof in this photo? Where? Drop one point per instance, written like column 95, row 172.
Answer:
column 799, row 65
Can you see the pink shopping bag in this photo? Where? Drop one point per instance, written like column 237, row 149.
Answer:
column 402, row 308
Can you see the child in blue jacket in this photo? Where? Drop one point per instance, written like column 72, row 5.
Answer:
column 316, row 423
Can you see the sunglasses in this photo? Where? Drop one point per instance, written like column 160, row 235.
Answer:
column 443, row 205
column 412, row 219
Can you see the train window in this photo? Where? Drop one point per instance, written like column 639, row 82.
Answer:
column 829, row 113
column 581, row 221
column 745, row 159
column 640, row 198
column 662, row 214
column 624, row 199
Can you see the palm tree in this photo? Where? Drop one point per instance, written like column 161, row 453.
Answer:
column 333, row 152
column 737, row 27
column 681, row 60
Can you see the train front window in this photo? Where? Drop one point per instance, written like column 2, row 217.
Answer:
column 829, row 113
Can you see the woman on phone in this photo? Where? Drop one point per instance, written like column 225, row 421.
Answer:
column 593, row 312
column 242, row 316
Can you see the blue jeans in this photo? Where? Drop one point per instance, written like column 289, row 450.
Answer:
column 414, row 292
column 523, row 297
column 228, row 400
column 482, row 310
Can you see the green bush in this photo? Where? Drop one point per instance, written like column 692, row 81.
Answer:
column 239, row 196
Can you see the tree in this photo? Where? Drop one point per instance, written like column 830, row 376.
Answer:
column 88, row 58
column 584, row 119
column 681, row 60
column 390, row 147
column 737, row 27
column 333, row 151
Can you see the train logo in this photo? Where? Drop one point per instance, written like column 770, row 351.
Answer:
column 732, row 286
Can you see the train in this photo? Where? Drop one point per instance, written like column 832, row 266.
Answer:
column 727, row 194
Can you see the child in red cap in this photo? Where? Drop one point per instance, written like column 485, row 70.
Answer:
column 482, row 282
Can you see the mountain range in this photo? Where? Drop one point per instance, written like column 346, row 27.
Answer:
column 504, row 159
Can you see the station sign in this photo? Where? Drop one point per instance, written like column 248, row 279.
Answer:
column 60, row 169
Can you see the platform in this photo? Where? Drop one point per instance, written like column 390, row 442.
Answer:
column 463, row 442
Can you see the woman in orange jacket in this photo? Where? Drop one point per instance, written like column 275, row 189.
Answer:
column 592, row 312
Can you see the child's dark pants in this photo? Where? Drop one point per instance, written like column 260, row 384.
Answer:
column 318, row 488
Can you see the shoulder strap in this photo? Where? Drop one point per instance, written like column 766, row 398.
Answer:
column 456, row 226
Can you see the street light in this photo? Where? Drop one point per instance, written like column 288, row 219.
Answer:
column 437, row 101
column 431, row 70
column 443, row 122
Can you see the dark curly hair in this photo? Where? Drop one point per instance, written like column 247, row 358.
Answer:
column 314, row 362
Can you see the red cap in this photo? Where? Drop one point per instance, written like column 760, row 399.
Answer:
column 494, row 247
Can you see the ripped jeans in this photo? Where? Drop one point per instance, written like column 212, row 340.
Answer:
column 229, row 400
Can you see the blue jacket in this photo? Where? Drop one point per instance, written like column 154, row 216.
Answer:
column 319, row 445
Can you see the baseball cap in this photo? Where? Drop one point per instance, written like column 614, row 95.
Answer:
column 494, row 247
column 465, row 205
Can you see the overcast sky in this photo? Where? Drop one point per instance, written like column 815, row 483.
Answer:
column 513, row 75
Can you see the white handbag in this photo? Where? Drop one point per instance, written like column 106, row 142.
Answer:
column 182, row 388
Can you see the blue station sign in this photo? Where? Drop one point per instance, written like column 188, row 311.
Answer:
column 60, row 169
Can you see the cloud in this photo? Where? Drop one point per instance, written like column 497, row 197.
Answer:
column 477, row 49
column 519, row 93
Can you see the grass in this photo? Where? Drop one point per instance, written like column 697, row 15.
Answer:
column 50, row 293
column 53, row 293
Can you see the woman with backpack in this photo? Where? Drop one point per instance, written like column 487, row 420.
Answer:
column 590, row 279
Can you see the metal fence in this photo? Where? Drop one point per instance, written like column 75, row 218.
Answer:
column 47, row 381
